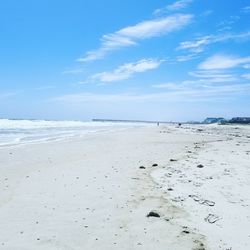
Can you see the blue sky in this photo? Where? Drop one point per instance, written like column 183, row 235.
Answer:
column 134, row 59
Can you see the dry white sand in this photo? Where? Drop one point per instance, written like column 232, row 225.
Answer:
column 89, row 193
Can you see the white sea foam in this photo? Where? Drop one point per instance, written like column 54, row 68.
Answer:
column 16, row 132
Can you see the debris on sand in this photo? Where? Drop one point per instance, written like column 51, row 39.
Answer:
column 178, row 199
column 173, row 160
column 153, row 214
column 135, row 178
column 200, row 166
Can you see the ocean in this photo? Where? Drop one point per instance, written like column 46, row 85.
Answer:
column 18, row 132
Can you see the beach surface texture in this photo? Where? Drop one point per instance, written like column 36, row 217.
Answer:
column 147, row 187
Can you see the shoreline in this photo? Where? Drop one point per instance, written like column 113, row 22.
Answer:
column 91, row 193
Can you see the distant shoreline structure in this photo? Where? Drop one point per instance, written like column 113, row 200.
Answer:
column 209, row 120
column 223, row 121
column 131, row 121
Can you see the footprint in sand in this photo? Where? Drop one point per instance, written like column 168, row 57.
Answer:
column 202, row 201
column 212, row 218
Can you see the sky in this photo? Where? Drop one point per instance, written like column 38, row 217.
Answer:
column 146, row 60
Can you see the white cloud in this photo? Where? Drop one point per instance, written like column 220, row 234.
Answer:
column 181, row 4
column 126, row 70
column 130, row 35
column 223, row 62
column 198, row 45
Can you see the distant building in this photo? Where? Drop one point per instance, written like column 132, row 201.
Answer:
column 193, row 122
column 211, row 120
column 240, row 120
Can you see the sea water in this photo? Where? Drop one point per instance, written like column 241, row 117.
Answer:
column 17, row 132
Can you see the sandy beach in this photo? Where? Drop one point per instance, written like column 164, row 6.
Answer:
column 97, row 191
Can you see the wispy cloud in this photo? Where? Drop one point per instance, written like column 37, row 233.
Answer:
column 246, row 66
column 198, row 45
column 181, row 4
column 7, row 95
column 214, row 76
column 45, row 87
column 223, row 62
column 206, row 13
column 168, row 85
column 126, row 70
column 130, row 35
column 82, row 82
column 228, row 23
column 246, row 76
column 246, row 9
column 185, row 58
column 203, row 79
column 205, row 93
column 210, row 81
